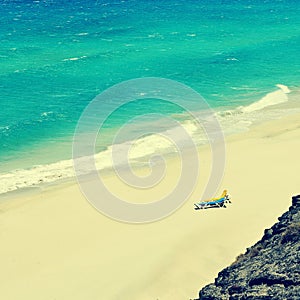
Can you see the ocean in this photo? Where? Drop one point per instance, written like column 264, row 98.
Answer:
column 57, row 56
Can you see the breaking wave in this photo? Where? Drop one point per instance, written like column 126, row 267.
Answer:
column 232, row 121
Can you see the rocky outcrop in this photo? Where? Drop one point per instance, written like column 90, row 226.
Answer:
column 268, row 270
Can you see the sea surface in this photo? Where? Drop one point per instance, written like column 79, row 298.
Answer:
column 56, row 56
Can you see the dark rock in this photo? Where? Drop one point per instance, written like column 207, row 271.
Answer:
column 296, row 200
column 292, row 233
column 236, row 289
column 270, row 269
column 268, row 234
column 273, row 278
column 210, row 292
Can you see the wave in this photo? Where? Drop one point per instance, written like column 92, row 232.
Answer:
column 265, row 109
column 141, row 149
column 140, row 152
column 272, row 98
column 22, row 178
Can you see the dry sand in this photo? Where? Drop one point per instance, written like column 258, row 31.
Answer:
column 54, row 245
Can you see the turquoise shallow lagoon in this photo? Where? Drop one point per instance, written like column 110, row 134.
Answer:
column 56, row 56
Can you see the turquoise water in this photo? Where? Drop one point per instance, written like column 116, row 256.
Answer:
column 56, row 56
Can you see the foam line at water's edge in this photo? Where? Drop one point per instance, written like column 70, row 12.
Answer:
column 232, row 121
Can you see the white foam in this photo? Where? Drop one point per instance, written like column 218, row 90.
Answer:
column 241, row 118
column 82, row 33
column 74, row 58
column 270, row 99
column 232, row 121
column 284, row 88
column 140, row 151
column 232, row 59
column 46, row 113
column 17, row 179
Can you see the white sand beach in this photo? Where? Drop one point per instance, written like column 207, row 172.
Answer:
column 55, row 245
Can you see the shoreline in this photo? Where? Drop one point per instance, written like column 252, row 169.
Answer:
column 57, row 243
column 253, row 131
column 62, row 170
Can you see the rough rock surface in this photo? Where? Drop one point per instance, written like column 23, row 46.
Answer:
column 268, row 270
